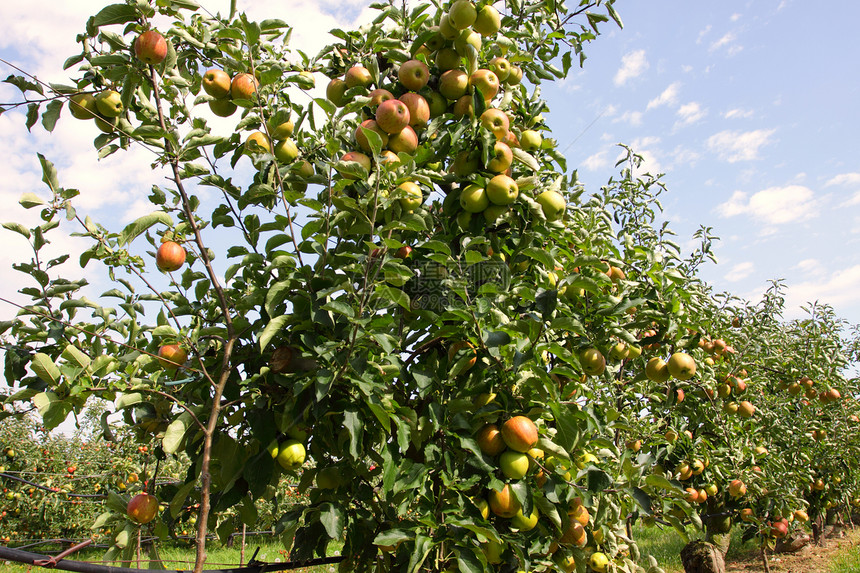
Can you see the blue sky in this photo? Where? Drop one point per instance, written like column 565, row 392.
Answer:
column 750, row 108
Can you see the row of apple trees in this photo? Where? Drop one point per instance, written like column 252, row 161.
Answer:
column 401, row 291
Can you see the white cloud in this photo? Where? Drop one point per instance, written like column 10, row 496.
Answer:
column 840, row 287
column 737, row 113
column 735, row 17
column 844, row 179
column 597, row 161
column 703, row 33
column 669, row 96
column 773, row 206
column 685, row 156
column 728, row 42
column 633, row 64
column 632, row 117
column 733, row 146
column 808, row 266
column 739, row 272
column 690, row 113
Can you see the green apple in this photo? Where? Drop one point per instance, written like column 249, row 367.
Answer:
column 465, row 39
column 592, row 361
column 357, row 76
column 257, row 142
column 436, row 102
column 447, row 59
column 413, row 74
column 530, row 140
column 466, row 162
column 500, row 159
column 488, row 21
column 83, row 106
column 515, row 465
column 515, row 77
column 414, row 196
column 216, row 83
column 552, row 203
column 501, row 67
column 493, row 213
column 436, row 41
column 656, row 370
column 681, row 366
column 462, row 14
column 502, row 190
column 286, row 151
column 335, row 92
column 473, row 198
column 222, row 107
column 493, row 551
column 279, row 131
column 291, row 455
column 523, row 523
column 496, row 121
column 446, row 29
column 486, row 82
column 109, row 103
column 453, row 84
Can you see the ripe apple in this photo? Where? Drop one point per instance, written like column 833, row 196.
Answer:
column 615, row 274
column 257, row 142
column 737, row 488
column 389, row 159
column 801, row 516
column 503, row 503
column 501, row 67
column 473, row 198
column 779, row 529
column 515, row 465
column 353, row 156
column 83, row 106
column 490, row 440
column 681, row 366
column 523, row 523
column 453, row 84
column 378, row 96
column 142, row 508
column 280, row 130
column 592, row 361
column 150, row 47
column 598, row 562
column 358, row 76
column 170, row 256
column 496, row 121
column 361, row 138
column 413, row 74
column 463, row 107
column 109, row 103
column 291, row 455
column 486, row 82
column 552, row 203
column 335, row 92
column 243, row 87
column 223, row 107
column 216, row 83
column 530, row 140
column 419, row 109
column 746, row 409
column 520, row 434
column 465, row 41
column 502, row 190
column 436, row 102
column 392, row 116
column 286, row 151
column 171, row 356
column 462, row 14
column 447, row 59
column 466, row 162
column 414, row 196
column 656, row 370
column 500, row 159
column 461, row 349
column 515, row 77
column 406, row 141
column 488, row 21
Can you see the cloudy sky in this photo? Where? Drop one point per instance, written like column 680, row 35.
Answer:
column 750, row 108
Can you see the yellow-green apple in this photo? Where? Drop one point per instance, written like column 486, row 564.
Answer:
column 453, row 84
column 308, row 80
column 109, row 103
column 466, row 39
column 357, row 76
column 83, row 106
column 142, row 508
column 286, row 151
column 552, row 204
column 493, row 213
column 515, row 465
column 615, row 274
column 223, row 107
column 150, row 47
column 462, row 14
column 592, row 361
column 216, row 82
column 419, row 109
column 462, row 349
column 392, row 116
column 520, row 434
column 329, row 477
column 447, row 59
column 502, row 190
column 437, row 103
column 405, row 141
column 574, row 534
column 436, row 41
column 530, row 140
column 378, row 96
column 618, row 351
column 746, row 409
column 501, row 67
column 302, row 169
column 279, row 130
column 171, row 356
column 523, row 523
column 489, row 439
column 257, row 142
column 464, row 107
column 353, row 156
column 488, row 21
column 493, row 551
column 681, row 366
column 291, row 455
column 656, row 370
column 335, row 92
column 243, row 87
column 500, row 159
column 730, row 407
column 361, row 137
column 496, row 121
column 170, row 256
column 466, row 162
column 473, row 198
column 446, row 29
column 737, row 488
column 515, row 77
column 389, row 159
column 106, row 124
column 486, row 82
column 413, row 74
column 413, row 196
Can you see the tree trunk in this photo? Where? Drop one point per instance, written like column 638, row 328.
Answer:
column 700, row 556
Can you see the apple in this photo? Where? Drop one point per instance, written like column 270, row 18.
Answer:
column 747, row 515
column 222, row 107
column 486, row 82
column 502, row 190
column 109, row 103
column 291, row 455
column 464, row 107
column 357, row 76
column 515, row 465
column 436, row 102
column 465, row 39
column 413, row 74
column 453, row 84
column 681, row 366
column 592, row 361
column 530, row 140
column 446, row 29
column 633, row 445
column 552, row 204
column 414, row 196
column 389, row 159
column 361, row 138
column 520, row 434
column 286, row 151
column 500, row 160
column 466, row 162
column 488, row 21
column 329, row 478
column 216, row 83
column 515, row 77
column 730, row 407
column 461, row 349
column 150, row 47
column 801, row 516
column 83, row 106
column 493, row 212
column 492, row 550
column 503, row 503
column 406, row 141
column 357, row 157
column 142, row 508
column 523, row 523
column 615, row 274
column 243, row 87
column 462, row 14
column 656, row 370
column 496, row 121
column 490, row 440
column 392, row 116
column 281, row 130
column 473, row 198
column 598, row 562
column 419, row 109
column 335, row 92
column 170, row 256
column 378, row 96
column 779, row 529
column 447, row 59
column 746, row 409
column 501, row 67
column 257, row 142
column 737, row 488
column 171, row 356
column 575, row 533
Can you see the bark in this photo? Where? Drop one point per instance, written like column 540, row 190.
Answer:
column 791, row 544
column 700, row 556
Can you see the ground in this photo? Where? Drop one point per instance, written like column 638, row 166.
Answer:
column 839, row 554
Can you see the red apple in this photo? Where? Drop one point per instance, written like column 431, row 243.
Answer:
column 358, row 76
column 243, row 87
column 357, row 157
column 414, row 75
column 453, row 84
column 170, row 256
column 361, row 138
column 406, row 140
column 392, row 116
column 172, row 356
column 486, row 82
column 142, row 508
column 150, row 47
column 378, row 96
column 419, row 109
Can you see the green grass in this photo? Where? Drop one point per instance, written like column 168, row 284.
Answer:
column 846, row 561
column 666, row 544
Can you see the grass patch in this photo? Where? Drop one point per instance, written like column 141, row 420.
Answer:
column 847, row 561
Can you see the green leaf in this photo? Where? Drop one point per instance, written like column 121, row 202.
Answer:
column 30, row 200
column 275, row 325
column 45, row 369
column 115, row 14
column 642, row 500
column 178, row 501
column 660, row 482
column 136, row 228
column 175, row 432
column 116, row 502
column 73, row 355
column 51, row 114
column 129, row 399
column 332, row 518
column 468, row 561
column 18, row 228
